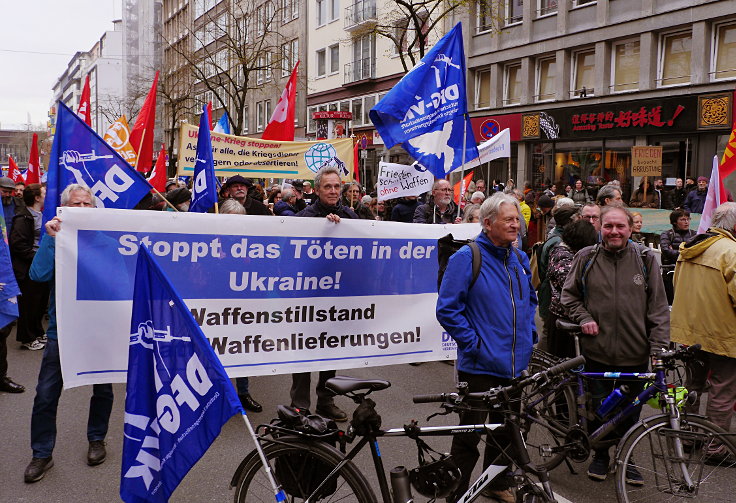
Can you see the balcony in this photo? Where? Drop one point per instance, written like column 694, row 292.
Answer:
column 360, row 70
column 360, row 14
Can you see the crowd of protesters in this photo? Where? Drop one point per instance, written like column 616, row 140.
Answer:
column 569, row 241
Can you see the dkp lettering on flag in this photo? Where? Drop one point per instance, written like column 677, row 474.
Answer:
column 178, row 395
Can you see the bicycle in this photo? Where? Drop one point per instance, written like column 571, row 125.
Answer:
column 669, row 450
column 308, row 456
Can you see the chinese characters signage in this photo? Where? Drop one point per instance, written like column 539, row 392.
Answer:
column 651, row 116
column 646, row 161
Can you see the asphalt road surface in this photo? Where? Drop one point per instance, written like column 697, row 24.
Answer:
column 71, row 480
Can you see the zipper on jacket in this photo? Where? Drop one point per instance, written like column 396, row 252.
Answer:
column 518, row 281
column 513, row 307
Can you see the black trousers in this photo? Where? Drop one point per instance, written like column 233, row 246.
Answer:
column 601, row 388
column 464, row 448
column 300, row 389
column 4, row 333
column 32, row 305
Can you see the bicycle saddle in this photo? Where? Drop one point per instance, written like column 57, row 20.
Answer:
column 341, row 385
column 567, row 326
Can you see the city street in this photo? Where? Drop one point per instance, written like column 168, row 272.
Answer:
column 72, row 480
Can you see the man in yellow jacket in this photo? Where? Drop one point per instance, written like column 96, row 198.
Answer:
column 704, row 310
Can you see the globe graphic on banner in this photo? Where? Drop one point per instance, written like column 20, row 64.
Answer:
column 319, row 155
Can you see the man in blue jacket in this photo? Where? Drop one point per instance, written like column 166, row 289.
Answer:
column 492, row 322
column 50, row 382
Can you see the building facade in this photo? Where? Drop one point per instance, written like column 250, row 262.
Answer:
column 581, row 82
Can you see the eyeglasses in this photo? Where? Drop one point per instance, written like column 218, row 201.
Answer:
column 444, row 190
column 592, row 218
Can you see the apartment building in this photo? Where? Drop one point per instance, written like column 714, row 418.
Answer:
column 579, row 82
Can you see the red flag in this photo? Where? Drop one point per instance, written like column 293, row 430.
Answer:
column 209, row 114
column 158, row 176
column 356, row 162
column 33, row 175
column 459, row 189
column 13, row 171
column 141, row 136
column 84, row 109
column 281, row 125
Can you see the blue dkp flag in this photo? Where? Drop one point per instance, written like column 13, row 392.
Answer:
column 178, row 395
column 204, row 193
column 223, row 125
column 79, row 155
column 427, row 110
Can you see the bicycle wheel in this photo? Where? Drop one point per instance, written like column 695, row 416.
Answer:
column 300, row 467
column 547, row 415
column 695, row 463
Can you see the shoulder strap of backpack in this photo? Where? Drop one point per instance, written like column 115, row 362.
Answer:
column 586, row 267
column 477, row 261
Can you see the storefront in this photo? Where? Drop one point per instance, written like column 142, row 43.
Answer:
column 593, row 142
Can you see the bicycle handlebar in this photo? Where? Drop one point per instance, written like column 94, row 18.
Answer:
column 504, row 390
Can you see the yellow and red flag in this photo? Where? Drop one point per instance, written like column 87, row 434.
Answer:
column 118, row 137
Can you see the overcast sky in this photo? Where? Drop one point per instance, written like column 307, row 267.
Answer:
column 37, row 40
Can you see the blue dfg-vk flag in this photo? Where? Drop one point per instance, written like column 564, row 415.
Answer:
column 426, row 111
column 204, row 193
column 178, row 395
column 79, row 155
column 8, row 285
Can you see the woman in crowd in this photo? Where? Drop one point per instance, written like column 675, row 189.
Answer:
column 34, row 298
column 378, row 209
column 471, row 214
column 579, row 194
column 576, row 235
column 645, row 196
column 351, row 198
column 636, row 234
column 669, row 243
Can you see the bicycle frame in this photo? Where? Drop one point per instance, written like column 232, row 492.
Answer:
column 520, row 456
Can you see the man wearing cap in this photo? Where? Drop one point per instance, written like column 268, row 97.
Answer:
column 11, row 203
column 542, row 215
column 171, row 184
column 237, row 187
column 300, row 203
column 327, row 186
column 695, row 200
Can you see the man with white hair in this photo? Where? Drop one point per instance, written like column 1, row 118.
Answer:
column 704, row 311
column 493, row 327
column 477, row 198
column 440, row 209
column 50, row 382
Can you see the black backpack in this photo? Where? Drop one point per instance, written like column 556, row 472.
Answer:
column 447, row 246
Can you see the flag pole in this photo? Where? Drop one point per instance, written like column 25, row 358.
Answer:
column 164, row 198
column 462, row 168
column 266, row 466
column 217, row 208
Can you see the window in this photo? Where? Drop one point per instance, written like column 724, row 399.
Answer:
column 626, row 66
column 547, row 7
column 334, row 9
column 321, row 12
column 484, row 15
column 724, row 66
column 261, row 70
column 512, row 85
column 246, row 122
column 311, row 124
column 289, row 57
column 268, row 110
column 357, row 112
column 514, row 11
column 334, row 58
column 267, row 70
column 289, row 10
column 546, row 72
column 579, row 3
column 584, row 73
column 321, row 62
column 674, row 60
column 259, row 115
column 368, row 103
column 483, row 89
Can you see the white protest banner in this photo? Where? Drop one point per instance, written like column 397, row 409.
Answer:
column 400, row 180
column 497, row 147
column 273, row 295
